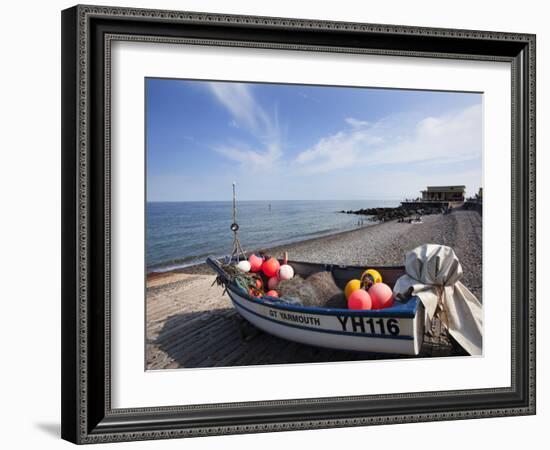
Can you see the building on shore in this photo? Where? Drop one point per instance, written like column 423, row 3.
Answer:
column 438, row 197
column 444, row 193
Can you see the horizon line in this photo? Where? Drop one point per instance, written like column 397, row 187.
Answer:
column 280, row 200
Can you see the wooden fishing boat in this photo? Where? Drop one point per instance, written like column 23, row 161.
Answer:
column 395, row 330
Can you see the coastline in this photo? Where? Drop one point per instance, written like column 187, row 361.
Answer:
column 199, row 267
column 380, row 244
column 203, row 268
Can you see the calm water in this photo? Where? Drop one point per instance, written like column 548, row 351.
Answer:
column 184, row 233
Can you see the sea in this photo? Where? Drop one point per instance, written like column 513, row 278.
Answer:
column 182, row 234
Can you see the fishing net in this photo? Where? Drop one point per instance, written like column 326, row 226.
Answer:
column 247, row 281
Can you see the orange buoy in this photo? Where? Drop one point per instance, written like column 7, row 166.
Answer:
column 272, row 293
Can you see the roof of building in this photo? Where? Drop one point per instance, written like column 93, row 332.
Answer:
column 446, row 188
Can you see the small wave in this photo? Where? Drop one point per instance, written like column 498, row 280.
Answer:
column 180, row 263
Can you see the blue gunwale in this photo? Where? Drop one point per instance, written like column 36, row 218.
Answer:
column 405, row 310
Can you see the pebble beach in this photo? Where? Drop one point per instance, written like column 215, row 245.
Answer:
column 385, row 244
column 180, row 302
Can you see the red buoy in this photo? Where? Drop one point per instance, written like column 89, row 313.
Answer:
column 271, row 267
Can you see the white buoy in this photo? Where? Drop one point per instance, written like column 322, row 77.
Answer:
column 286, row 272
column 244, row 266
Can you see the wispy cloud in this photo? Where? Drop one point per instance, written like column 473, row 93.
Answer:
column 247, row 114
column 356, row 123
column 337, row 151
column 452, row 137
column 252, row 159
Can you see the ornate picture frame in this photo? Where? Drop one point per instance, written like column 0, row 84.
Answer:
column 87, row 35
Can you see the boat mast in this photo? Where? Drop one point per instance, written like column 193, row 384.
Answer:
column 237, row 251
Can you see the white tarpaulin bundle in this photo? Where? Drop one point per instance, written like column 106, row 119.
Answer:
column 433, row 273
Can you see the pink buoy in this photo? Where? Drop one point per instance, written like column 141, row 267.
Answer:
column 286, row 272
column 359, row 299
column 271, row 267
column 272, row 293
column 273, row 282
column 255, row 263
column 381, row 296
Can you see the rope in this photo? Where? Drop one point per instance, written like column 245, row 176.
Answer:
column 440, row 314
column 237, row 251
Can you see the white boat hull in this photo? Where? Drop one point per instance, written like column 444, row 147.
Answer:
column 395, row 330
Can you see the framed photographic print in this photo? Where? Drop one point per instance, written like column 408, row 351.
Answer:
column 282, row 224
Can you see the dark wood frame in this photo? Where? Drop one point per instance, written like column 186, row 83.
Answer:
column 87, row 32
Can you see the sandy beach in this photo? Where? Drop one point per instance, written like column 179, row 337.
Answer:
column 191, row 324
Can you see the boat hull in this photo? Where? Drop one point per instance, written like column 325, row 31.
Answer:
column 398, row 332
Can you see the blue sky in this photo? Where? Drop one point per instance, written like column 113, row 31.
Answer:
column 295, row 142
